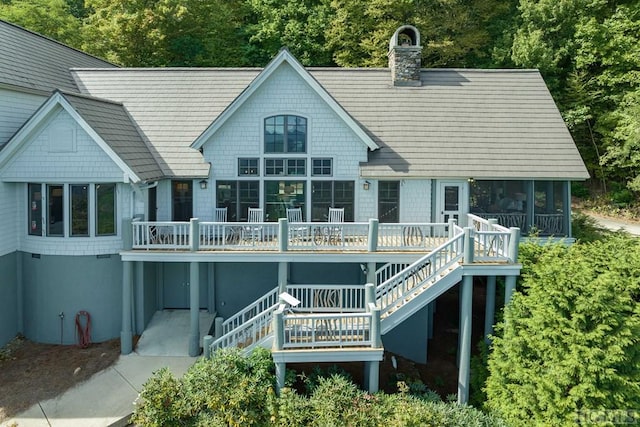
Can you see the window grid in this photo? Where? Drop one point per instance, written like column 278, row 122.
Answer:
column 285, row 134
column 322, row 167
column 248, row 166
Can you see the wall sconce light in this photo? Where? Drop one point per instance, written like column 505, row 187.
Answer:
column 365, row 185
column 203, row 184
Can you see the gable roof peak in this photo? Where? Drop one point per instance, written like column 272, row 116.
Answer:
column 284, row 56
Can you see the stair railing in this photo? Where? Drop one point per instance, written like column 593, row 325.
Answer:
column 427, row 268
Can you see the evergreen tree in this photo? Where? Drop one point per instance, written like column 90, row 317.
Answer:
column 570, row 342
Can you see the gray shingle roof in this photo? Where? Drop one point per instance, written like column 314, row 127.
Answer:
column 29, row 60
column 172, row 107
column 458, row 124
column 111, row 121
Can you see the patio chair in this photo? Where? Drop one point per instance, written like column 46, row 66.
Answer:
column 220, row 215
column 336, row 215
column 294, row 217
column 255, row 215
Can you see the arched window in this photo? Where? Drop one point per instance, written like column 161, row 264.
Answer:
column 285, row 134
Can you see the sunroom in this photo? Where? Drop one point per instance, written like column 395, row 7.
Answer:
column 541, row 208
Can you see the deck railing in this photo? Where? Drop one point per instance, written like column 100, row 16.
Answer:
column 342, row 316
column 387, row 271
column 411, row 236
column 267, row 236
column 267, row 302
column 492, row 240
column 425, row 269
column 328, row 298
column 326, row 330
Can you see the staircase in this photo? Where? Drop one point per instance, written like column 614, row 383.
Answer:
column 398, row 297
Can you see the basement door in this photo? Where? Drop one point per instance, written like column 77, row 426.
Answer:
column 176, row 286
column 452, row 201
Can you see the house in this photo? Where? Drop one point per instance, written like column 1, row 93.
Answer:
column 113, row 179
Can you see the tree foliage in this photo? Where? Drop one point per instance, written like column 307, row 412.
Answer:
column 158, row 33
column 589, row 53
column 52, row 18
column 570, row 341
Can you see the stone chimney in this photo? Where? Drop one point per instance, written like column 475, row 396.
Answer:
column 405, row 55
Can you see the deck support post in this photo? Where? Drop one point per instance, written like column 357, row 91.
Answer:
column 283, row 276
column 372, row 376
column 489, row 308
column 371, row 273
column 432, row 311
column 278, row 343
column 466, row 296
column 509, row 288
column 194, row 308
column 126, row 335
column 369, row 295
column 281, row 370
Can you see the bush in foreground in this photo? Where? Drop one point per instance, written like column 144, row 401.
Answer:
column 233, row 390
column 570, row 342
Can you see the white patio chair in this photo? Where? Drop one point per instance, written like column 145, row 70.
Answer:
column 336, row 215
column 220, row 215
column 255, row 215
column 294, row 217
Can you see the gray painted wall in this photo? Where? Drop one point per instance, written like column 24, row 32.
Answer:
column 150, row 291
column 325, row 274
column 8, row 298
column 238, row 284
column 409, row 339
column 68, row 284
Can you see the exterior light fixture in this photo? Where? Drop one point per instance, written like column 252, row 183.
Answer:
column 203, row 184
column 365, row 186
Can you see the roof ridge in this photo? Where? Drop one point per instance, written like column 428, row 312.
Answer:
column 87, row 96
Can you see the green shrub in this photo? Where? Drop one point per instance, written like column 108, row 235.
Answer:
column 161, row 402
column 234, row 390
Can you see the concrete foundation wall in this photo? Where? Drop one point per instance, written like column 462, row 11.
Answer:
column 68, row 284
column 8, row 298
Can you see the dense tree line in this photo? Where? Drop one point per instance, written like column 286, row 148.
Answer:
column 587, row 50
